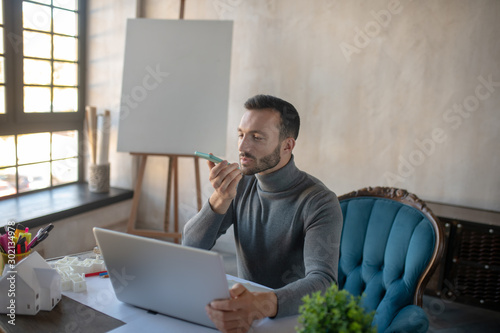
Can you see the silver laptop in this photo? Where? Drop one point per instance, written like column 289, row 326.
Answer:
column 163, row 277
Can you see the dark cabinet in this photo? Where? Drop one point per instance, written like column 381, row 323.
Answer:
column 470, row 269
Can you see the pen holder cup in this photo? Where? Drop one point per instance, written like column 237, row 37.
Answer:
column 12, row 259
column 99, row 178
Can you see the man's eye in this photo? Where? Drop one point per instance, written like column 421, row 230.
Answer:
column 257, row 138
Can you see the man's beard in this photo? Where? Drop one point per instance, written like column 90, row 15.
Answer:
column 265, row 163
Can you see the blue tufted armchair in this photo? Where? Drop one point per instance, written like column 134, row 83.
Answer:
column 391, row 243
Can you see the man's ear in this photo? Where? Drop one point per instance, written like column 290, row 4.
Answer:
column 288, row 144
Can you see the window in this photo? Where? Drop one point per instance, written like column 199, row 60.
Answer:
column 2, row 63
column 41, row 94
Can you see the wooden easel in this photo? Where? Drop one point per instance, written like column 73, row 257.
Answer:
column 173, row 176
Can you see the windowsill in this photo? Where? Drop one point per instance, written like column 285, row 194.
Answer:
column 35, row 209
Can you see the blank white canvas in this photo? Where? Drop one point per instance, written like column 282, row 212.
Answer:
column 175, row 86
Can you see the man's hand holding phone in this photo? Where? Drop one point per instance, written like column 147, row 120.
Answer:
column 224, row 178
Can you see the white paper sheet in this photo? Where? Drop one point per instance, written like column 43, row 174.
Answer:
column 101, row 297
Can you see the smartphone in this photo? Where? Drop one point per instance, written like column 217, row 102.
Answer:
column 209, row 157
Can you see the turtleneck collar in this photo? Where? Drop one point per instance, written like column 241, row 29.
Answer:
column 280, row 180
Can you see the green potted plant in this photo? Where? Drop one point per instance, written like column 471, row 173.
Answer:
column 334, row 311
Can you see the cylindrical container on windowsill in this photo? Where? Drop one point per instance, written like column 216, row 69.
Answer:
column 99, row 178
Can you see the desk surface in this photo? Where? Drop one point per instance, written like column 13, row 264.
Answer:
column 98, row 310
column 101, row 297
column 67, row 316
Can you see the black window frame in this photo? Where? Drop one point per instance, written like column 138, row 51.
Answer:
column 15, row 121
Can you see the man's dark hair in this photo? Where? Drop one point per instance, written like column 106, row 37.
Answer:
column 290, row 120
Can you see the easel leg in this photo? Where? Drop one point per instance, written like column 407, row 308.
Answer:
column 198, row 182
column 171, row 173
column 176, row 198
column 172, row 177
column 137, row 194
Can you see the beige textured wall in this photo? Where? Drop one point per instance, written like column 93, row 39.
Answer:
column 74, row 234
column 400, row 93
column 377, row 99
column 105, row 50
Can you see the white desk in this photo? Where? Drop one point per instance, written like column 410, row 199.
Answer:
column 101, row 297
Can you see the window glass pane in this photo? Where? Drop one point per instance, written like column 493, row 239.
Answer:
column 2, row 99
column 64, row 144
column 65, row 73
column 7, row 181
column 64, row 171
column 65, row 22
column 34, row 176
column 65, row 48
column 65, row 100
column 2, row 70
column 1, row 37
column 8, row 149
column 37, row 71
column 36, row 99
column 36, row 17
column 68, row 4
column 47, row 2
column 33, row 148
column 36, row 44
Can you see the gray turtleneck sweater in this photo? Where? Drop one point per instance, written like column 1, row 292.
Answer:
column 287, row 228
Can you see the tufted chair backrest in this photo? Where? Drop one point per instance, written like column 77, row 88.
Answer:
column 389, row 248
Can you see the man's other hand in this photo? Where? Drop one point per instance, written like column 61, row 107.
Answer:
column 237, row 314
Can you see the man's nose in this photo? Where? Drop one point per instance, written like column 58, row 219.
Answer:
column 243, row 144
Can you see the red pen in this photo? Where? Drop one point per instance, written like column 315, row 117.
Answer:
column 95, row 273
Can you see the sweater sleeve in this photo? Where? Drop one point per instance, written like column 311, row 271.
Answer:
column 203, row 230
column 322, row 228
